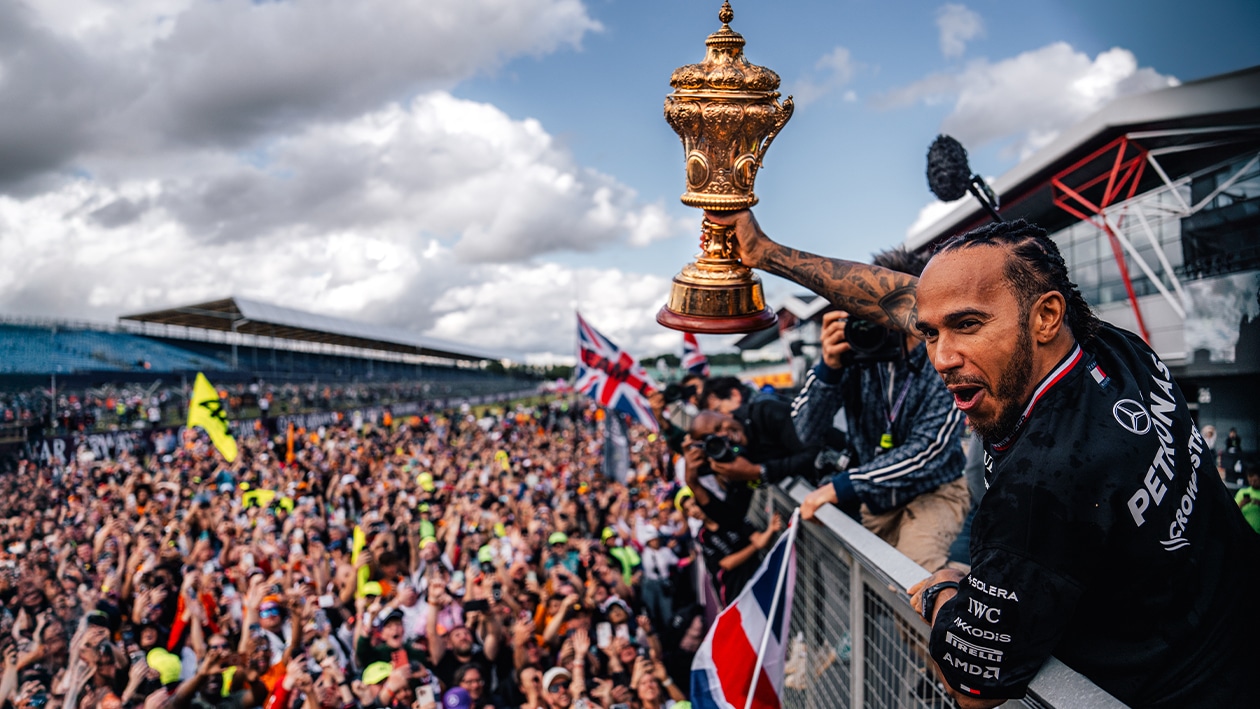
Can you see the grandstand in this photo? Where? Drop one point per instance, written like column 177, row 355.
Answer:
column 50, row 348
column 234, row 336
column 247, row 347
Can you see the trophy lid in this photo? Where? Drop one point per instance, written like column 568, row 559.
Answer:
column 725, row 70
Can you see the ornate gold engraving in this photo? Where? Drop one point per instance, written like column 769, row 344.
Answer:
column 726, row 111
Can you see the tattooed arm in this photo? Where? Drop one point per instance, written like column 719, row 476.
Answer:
column 870, row 292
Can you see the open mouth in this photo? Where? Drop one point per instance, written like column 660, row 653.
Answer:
column 966, row 396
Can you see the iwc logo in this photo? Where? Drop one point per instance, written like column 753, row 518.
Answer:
column 1132, row 416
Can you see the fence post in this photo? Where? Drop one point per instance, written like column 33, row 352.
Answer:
column 857, row 635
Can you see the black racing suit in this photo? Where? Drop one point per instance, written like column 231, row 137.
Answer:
column 1106, row 539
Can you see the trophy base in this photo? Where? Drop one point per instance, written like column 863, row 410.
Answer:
column 716, row 298
column 715, row 326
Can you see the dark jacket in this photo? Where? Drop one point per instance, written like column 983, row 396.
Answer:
column 773, row 441
column 927, row 428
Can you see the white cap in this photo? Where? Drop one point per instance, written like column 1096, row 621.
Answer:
column 647, row 533
column 552, row 674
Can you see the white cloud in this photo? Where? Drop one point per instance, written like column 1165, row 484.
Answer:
column 931, row 212
column 935, row 210
column 1027, row 100
column 89, row 78
column 66, row 262
column 531, row 308
column 307, row 154
column 958, row 25
column 832, row 71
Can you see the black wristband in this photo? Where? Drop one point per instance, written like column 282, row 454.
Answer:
column 929, row 597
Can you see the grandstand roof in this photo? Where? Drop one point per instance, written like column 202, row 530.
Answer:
column 250, row 317
column 1182, row 123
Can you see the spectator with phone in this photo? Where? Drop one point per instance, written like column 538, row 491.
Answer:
column 457, row 647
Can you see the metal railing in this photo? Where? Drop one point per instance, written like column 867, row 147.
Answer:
column 856, row 642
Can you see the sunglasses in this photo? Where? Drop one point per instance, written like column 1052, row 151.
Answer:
column 218, row 646
column 269, row 613
column 558, row 687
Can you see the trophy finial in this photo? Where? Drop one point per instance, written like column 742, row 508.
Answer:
column 726, row 14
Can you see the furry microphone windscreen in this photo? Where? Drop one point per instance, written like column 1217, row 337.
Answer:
column 947, row 171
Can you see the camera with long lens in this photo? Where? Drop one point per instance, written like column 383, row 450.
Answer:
column 869, row 342
column 720, row 449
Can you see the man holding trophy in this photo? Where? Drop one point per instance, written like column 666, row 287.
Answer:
column 1106, row 538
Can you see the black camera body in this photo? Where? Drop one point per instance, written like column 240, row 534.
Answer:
column 869, row 342
column 720, row 448
column 678, row 392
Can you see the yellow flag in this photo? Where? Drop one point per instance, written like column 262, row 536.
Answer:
column 204, row 410
column 358, row 544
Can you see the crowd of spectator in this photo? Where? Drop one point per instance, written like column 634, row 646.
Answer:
column 473, row 562
column 131, row 406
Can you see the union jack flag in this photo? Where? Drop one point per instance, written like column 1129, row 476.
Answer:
column 693, row 360
column 611, row 377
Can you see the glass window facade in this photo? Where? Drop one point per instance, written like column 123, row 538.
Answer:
column 1091, row 261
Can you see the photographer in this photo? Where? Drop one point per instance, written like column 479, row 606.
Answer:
column 753, row 441
column 905, row 456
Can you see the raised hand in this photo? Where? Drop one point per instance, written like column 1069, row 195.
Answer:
column 581, row 642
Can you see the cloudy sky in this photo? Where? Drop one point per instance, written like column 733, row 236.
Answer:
column 473, row 169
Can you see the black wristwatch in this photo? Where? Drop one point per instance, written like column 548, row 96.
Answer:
column 929, row 597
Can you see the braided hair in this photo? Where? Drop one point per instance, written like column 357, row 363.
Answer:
column 1035, row 267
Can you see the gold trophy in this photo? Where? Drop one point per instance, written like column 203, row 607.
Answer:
column 727, row 112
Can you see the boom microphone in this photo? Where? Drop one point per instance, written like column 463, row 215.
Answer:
column 950, row 177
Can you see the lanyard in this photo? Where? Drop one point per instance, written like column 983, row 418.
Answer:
column 886, row 441
column 901, row 398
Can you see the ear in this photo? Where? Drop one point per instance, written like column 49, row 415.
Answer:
column 1046, row 317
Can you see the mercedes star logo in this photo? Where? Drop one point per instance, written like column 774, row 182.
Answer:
column 1132, row 416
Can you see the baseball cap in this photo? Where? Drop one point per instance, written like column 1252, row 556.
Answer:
column 682, row 495
column 485, row 554
column 376, row 672
column 614, row 601
column 607, row 534
column 553, row 674
column 425, row 481
column 648, row 533
column 427, row 529
column 167, row 665
column 371, row 588
column 392, row 616
column 99, row 618
column 558, row 538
